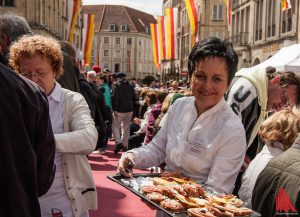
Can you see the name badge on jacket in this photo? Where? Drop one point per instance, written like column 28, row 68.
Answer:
column 196, row 147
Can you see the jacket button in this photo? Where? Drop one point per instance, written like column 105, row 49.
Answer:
column 75, row 210
column 67, row 177
column 69, row 188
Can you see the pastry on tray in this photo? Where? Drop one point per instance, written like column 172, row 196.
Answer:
column 172, row 205
column 229, row 198
column 236, row 211
column 175, row 174
column 218, row 212
column 177, row 193
column 199, row 212
column 148, row 189
column 179, row 189
column 186, row 201
column 200, row 201
column 156, row 197
column 164, row 181
column 194, row 190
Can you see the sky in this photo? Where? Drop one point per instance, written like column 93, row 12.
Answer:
column 153, row 7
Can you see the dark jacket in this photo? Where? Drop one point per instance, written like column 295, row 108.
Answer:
column 68, row 79
column 27, row 146
column 277, row 189
column 87, row 91
column 102, row 112
column 123, row 96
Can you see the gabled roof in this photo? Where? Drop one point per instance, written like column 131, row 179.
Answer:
column 119, row 15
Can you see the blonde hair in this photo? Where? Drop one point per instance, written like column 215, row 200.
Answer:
column 166, row 104
column 37, row 45
column 283, row 127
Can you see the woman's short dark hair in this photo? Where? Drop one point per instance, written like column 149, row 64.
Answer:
column 213, row 47
column 104, row 78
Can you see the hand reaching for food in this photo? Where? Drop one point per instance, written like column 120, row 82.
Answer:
column 126, row 164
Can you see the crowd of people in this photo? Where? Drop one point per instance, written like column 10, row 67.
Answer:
column 236, row 132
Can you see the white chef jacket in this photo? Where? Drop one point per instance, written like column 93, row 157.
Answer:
column 209, row 148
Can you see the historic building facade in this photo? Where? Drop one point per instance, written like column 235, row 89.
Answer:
column 260, row 28
column 46, row 17
column 212, row 21
column 122, row 40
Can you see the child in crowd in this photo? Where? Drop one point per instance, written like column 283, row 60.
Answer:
column 278, row 132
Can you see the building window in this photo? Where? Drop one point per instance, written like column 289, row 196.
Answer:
column 217, row 34
column 7, row 3
column 287, row 21
column 112, row 27
column 118, row 54
column 217, row 12
column 66, row 11
column 199, row 12
column 117, row 67
column 271, row 25
column 118, row 40
column 129, row 40
column 128, row 53
column 259, row 18
column 124, row 28
column 186, row 46
column 184, row 17
column 140, row 42
column 105, row 65
column 105, row 53
column 106, row 40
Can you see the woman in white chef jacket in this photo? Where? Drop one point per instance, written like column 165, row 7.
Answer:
column 202, row 137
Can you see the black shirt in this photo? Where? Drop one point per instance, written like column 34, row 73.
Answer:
column 27, row 146
column 123, row 96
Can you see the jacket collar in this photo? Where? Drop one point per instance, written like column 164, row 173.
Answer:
column 212, row 110
column 56, row 93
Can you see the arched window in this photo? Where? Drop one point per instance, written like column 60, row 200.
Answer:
column 256, row 62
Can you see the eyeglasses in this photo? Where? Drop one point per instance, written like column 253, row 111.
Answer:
column 36, row 75
column 285, row 98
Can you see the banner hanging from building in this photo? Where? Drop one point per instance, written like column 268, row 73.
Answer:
column 193, row 18
column 161, row 37
column 285, row 4
column 170, row 33
column 228, row 6
column 74, row 7
column 156, row 58
column 87, row 37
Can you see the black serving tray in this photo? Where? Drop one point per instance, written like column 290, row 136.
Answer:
column 117, row 178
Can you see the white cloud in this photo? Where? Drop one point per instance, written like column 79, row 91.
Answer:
column 153, row 7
